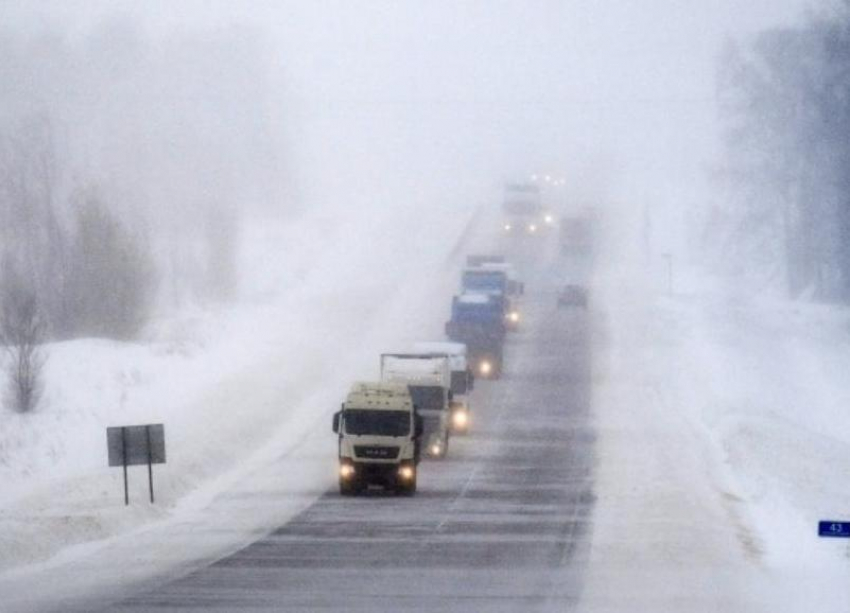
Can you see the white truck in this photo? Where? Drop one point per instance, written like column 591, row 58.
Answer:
column 462, row 380
column 379, row 432
column 428, row 378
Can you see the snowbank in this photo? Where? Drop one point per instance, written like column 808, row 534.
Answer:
column 724, row 437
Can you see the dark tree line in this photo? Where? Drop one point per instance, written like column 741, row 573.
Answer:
column 126, row 166
column 68, row 267
column 785, row 100
column 89, row 275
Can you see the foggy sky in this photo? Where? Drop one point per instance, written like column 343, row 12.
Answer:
column 371, row 99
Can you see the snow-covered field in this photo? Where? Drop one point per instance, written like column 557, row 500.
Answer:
column 724, row 436
column 237, row 390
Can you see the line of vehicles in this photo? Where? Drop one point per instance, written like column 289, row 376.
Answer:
column 385, row 427
column 525, row 214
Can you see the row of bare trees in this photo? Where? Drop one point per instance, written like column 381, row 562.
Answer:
column 786, row 102
column 122, row 160
column 68, row 267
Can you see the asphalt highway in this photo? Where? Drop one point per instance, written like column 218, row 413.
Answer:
column 502, row 524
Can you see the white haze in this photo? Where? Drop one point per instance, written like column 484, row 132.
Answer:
column 284, row 106
column 309, row 121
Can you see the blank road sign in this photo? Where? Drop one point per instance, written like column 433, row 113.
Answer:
column 834, row 529
column 136, row 445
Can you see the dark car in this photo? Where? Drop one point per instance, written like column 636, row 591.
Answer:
column 572, row 295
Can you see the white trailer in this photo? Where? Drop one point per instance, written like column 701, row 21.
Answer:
column 428, row 378
column 462, row 380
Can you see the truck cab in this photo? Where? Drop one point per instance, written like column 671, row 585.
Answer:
column 379, row 432
column 428, row 380
column 522, row 210
column 462, row 380
column 492, row 274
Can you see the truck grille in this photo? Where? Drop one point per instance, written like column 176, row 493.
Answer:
column 377, row 453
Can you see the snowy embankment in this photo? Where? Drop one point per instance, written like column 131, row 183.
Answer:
column 724, row 436
column 237, row 390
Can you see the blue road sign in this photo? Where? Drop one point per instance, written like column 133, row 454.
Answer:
column 834, row 529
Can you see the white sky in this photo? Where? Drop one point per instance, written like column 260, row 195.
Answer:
column 375, row 87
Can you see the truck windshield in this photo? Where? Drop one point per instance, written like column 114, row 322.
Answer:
column 377, row 423
column 428, row 397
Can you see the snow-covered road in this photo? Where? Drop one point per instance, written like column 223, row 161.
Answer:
column 501, row 525
column 660, row 453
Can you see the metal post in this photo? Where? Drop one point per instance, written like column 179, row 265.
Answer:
column 150, row 461
column 124, row 461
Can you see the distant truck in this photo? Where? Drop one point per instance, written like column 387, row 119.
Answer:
column 576, row 235
column 478, row 321
column 498, row 262
column 462, row 380
column 429, row 379
column 479, row 259
column 379, row 433
column 523, row 211
column 495, row 279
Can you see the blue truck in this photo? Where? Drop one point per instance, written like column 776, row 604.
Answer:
column 478, row 320
column 496, row 280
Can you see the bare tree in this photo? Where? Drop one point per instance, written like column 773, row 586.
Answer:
column 785, row 100
column 112, row 277
column 22, row 334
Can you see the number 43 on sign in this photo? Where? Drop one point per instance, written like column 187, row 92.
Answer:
column 835, row 529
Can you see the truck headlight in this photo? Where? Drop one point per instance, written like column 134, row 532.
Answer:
column 436, row 449
column 346, row 471
column 406, row 473
column 548, row 219
column 513, row 316
column 460, row 419
column 507, row 227
column 485, row 367
column 532, row 228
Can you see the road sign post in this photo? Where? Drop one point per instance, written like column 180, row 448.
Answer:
column 136, row 445
column 124, row 464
